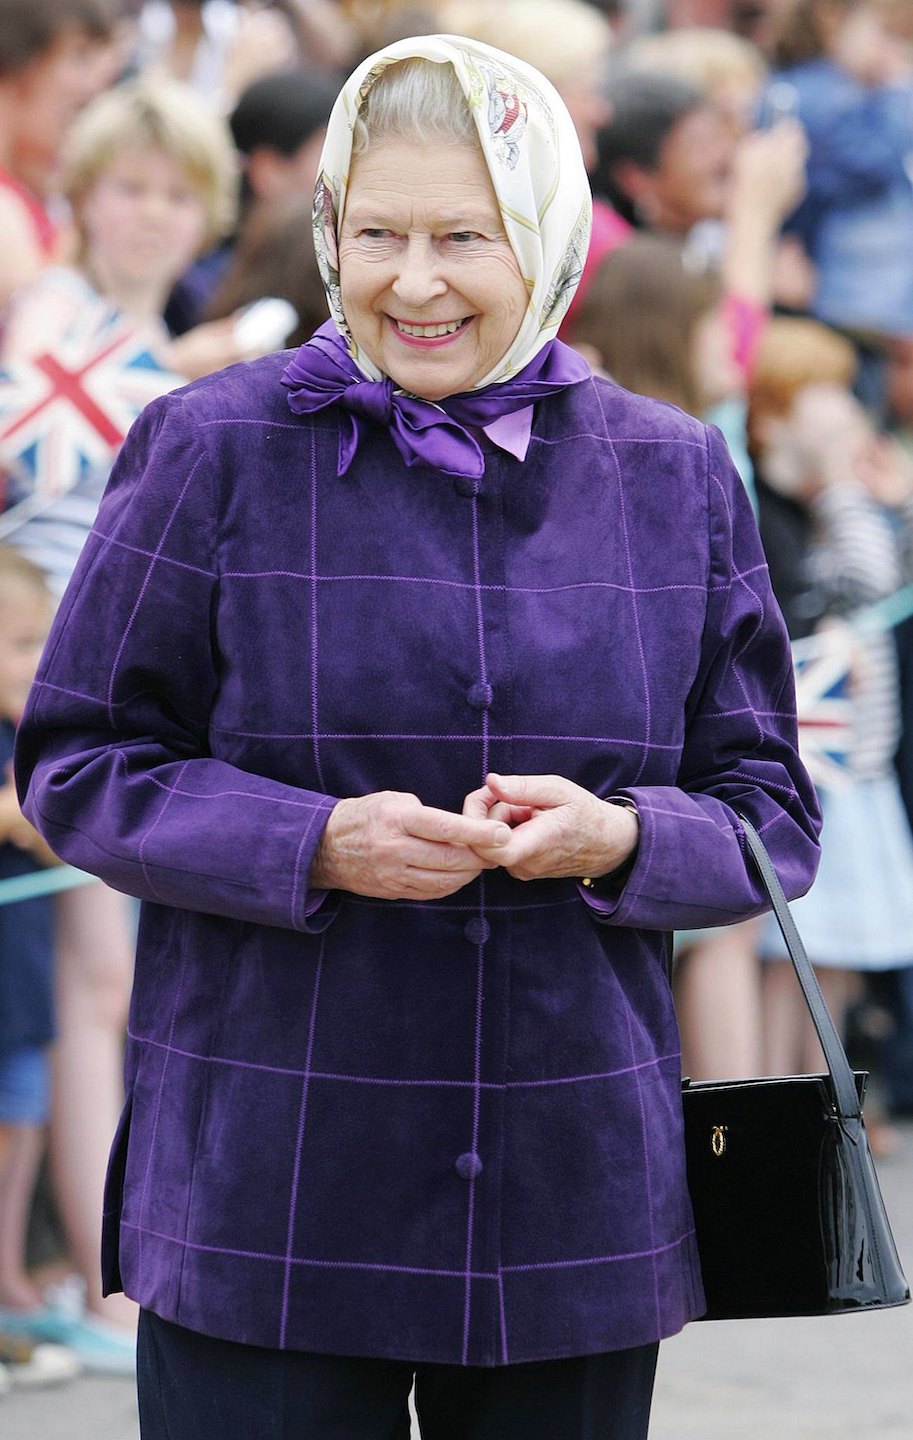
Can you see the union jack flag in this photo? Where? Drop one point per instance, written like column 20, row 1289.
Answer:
column 823, row 704
column 64, row 415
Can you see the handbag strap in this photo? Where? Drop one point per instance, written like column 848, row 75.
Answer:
column 846, row 1098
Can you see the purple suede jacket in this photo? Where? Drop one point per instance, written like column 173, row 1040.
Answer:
column 441, row 1132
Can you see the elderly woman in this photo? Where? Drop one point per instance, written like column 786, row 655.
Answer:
column 416, row 684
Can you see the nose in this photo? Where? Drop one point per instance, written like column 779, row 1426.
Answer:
column 419, row 277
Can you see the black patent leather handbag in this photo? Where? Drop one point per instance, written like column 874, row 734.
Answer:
column 788, row 1211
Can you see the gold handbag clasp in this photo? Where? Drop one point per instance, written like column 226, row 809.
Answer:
column 718, row 1140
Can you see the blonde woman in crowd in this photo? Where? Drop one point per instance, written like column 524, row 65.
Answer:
column 151, row 178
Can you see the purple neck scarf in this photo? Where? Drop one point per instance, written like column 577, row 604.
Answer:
column 322, row 373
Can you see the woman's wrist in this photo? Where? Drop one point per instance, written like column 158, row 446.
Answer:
column 624, row 857
column 324, row 872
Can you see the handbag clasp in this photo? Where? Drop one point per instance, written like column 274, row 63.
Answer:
column 718, row 1140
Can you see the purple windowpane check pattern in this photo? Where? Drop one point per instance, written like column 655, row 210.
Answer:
column 448, row 1131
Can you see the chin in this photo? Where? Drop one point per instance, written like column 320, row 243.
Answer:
column 424, row 387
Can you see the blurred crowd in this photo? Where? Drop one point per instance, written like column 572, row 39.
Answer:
column 751, row 262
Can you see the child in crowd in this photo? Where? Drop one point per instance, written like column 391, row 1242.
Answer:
column 26, row 985
column 660, row 328
column 849, row 493
column 847, row 74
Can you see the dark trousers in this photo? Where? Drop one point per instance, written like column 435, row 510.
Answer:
column 193, row 1387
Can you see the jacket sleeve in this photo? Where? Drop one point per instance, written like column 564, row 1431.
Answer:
column 113, row 762
column 740, row 753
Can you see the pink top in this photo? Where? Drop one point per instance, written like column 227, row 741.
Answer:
column 42, row 224
column 609, row 231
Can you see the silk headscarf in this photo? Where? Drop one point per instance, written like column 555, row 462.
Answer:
column 531, row 151
column 533, row 156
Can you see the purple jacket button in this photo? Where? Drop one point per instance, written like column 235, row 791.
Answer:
column 468, row 1166
column 477, row 930
column 480, row 696
column 467, row 485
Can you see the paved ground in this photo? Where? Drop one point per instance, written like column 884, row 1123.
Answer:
column 846, row 1378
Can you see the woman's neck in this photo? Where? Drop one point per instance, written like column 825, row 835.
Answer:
column 139, row 301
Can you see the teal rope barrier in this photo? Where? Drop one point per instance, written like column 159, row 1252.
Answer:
column 885, row 614
column 42, row 882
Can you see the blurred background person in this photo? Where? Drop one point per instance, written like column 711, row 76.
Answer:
column 275, row 256
column 568, row 40
column 53, row 59
column 217, row 47
column 150, row 176
column 846, row 493
column 657, row 326
column 846, row 71
column 26, row 987
column 749, row 185
column 277, row 127
column 727, row 69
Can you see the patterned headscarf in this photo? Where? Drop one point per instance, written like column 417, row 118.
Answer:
column 533, row 157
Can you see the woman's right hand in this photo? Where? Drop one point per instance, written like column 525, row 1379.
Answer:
column 768, row 174
column 392, row 847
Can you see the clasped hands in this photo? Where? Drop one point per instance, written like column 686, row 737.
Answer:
column 390, row 846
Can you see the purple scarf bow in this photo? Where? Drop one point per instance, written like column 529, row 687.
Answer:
column 322, row 373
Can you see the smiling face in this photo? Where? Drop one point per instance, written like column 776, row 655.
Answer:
column 431, row 288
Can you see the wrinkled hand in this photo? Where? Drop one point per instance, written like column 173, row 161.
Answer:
column 558, row 829
column 392, row 847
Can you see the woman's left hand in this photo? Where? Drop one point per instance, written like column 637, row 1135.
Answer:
column 559, row 829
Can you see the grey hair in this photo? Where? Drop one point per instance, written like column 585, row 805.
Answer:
column 418, row 100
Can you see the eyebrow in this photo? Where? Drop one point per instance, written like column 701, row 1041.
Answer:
column 361, row 213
